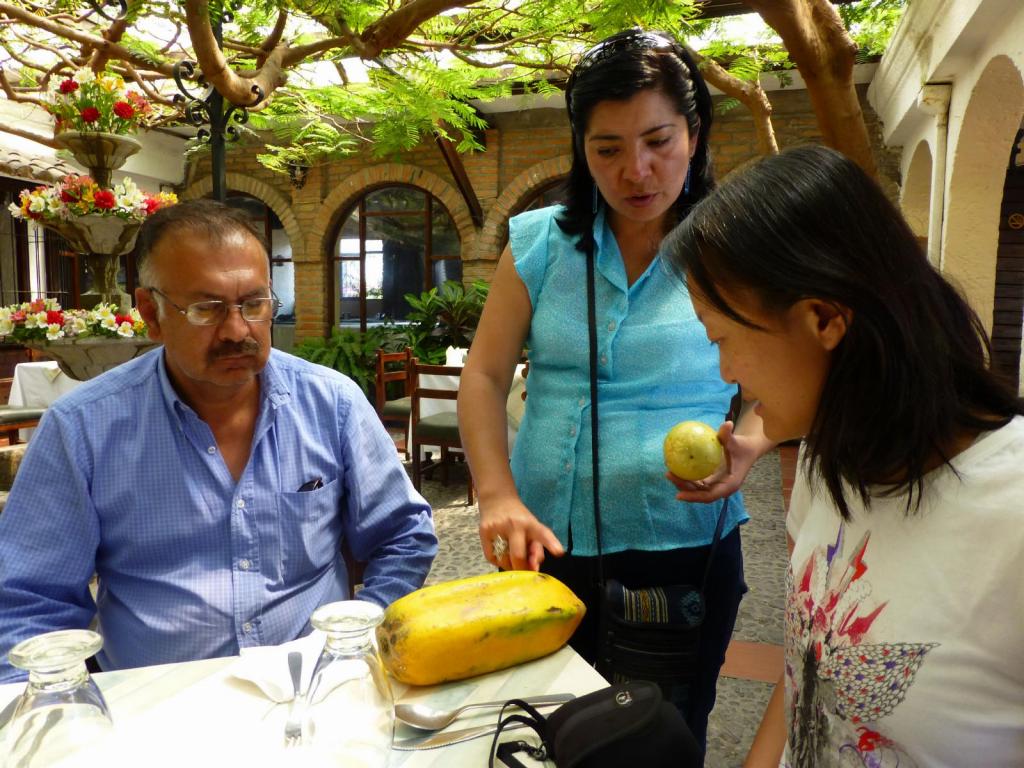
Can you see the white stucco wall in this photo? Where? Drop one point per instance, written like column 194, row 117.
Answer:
column 977, row 48
column 161, row 160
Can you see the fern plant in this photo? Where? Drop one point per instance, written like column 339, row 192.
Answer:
column 353, row 353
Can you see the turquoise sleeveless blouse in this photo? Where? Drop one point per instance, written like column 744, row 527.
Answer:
column 656, row 368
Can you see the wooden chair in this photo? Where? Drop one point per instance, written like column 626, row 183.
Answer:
column 15, row 417
column 394, row 366
column 440, row 429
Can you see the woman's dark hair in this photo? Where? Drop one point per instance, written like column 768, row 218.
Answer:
column 616, row 69
column 911, row 373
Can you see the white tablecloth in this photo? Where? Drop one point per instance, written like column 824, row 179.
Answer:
column 37, row 385
column 198, row 714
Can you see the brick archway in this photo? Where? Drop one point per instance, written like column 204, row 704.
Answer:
column 359, row 183
column 522, row 187
column 262, row 191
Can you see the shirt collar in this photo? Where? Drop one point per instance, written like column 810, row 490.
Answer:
column 273, row 387
column 609, row 257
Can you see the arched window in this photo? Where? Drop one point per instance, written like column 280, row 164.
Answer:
column 551, row 193
column 395, row 240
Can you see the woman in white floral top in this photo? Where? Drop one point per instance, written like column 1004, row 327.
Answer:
column 905, row 599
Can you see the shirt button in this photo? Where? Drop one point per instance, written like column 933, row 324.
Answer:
column 247, row 627
column 244, row 564
column 568, row 466
column 240, row 503
column 611, row 325
column 604, row 359
column 212, row 449
column 583, row 401
column 572, row 431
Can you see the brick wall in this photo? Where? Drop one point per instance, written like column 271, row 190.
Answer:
column 523, row 153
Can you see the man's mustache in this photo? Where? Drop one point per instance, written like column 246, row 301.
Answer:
column 248, row 346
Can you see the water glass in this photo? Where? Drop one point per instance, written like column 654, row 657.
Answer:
column 61, row 708
column 350, row 715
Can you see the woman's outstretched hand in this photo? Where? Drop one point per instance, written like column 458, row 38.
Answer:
column 526, row 537
column 741, row 452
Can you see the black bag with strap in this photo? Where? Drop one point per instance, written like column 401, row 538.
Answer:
column 625, row 724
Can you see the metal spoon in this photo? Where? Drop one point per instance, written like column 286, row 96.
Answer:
column 429, row 719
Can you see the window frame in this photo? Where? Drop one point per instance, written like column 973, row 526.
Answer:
column 425, row 213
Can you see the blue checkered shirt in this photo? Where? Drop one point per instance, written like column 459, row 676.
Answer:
column 123, row 479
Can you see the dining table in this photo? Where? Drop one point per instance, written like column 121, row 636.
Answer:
column 201, row 713
column 37, row 385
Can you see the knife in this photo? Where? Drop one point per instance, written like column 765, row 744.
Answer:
column 438, row 740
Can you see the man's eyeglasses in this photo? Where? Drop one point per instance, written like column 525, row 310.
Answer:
column 256, row 310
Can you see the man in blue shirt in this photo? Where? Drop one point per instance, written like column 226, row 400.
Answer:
column 208, row 484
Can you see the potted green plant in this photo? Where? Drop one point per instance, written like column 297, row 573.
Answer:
column 445, row 316
column 353, row 353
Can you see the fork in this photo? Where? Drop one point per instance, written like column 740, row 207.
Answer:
column 293, row 727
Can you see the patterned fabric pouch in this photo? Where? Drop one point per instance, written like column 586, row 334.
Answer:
column 650, row 634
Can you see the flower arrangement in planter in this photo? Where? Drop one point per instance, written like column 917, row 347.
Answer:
column 80, row 195
column 76, row 196
column 100, row 223
column 88, row 101
column 44, row 320
column 84, row 342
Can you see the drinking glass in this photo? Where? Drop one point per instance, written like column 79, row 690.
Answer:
column 350, row 714
column 61, row 708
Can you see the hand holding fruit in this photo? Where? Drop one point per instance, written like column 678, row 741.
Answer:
column 692, row 450
column 721, row 478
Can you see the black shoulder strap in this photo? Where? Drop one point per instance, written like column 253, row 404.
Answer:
column 505, row 752
column 594, row 452
column 594, row 443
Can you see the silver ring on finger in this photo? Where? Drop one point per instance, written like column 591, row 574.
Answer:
column 499, row 546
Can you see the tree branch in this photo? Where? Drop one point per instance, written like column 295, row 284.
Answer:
column 749, row 94
column 112, row 34
column 13, row 95
column 273, row 39
column 824, row 52
column 22, row 133
column 389, row 31
column 83, row 38
column 240, row 91
column 151, row 93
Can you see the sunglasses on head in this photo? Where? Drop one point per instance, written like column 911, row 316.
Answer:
column 635, row 39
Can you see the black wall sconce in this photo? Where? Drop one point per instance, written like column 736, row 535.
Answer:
column 297, row 173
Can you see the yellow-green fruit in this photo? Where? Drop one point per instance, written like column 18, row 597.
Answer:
column 692, row 450
column 472, row 626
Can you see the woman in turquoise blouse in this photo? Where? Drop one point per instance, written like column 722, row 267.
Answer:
column 640, row 115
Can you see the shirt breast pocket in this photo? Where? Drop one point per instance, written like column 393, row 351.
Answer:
column 310, row 523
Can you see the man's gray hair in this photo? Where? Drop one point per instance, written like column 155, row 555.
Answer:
column 210, row 217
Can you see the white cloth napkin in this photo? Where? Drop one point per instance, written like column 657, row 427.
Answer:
column 267, row 666
column 455, row 356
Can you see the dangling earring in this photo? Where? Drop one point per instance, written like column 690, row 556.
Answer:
column 594, row 206
column 686, row 184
